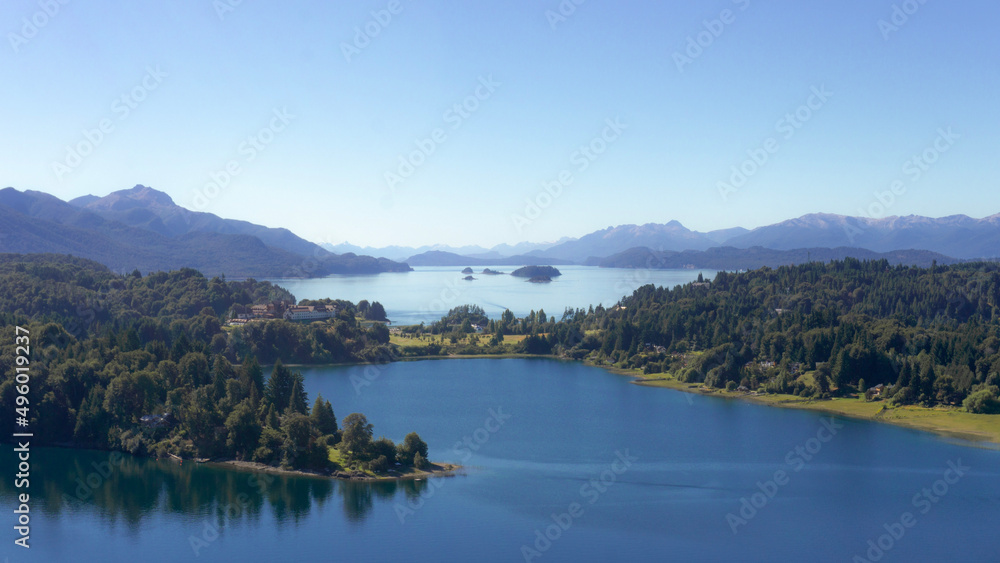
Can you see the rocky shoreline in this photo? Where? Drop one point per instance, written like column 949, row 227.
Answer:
column 436, row 470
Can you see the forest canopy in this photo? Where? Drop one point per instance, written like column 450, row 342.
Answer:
column 148, row 364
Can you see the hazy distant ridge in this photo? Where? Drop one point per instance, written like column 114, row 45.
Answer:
column 143, row 229
column 730, row 258
column 956, row 236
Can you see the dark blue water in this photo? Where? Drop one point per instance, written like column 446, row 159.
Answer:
column 610, row 470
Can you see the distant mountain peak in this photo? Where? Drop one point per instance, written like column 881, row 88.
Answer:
column 83, row 201
column 142, row 228
column 138, row 196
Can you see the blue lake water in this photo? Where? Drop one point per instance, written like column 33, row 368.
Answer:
column 631, row 473
column 427, row 293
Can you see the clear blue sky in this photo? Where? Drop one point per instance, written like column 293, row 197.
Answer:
column 324, row 173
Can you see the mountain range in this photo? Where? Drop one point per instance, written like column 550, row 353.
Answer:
column 730, row 258
column 142, row 228
column 402, row 253
column 441, row 258
column 946, row 238
column 155, row 211
column 956, row 236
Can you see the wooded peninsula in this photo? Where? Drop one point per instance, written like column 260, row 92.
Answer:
column 150, row 365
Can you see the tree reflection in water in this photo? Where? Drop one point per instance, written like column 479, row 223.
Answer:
column 124, row 489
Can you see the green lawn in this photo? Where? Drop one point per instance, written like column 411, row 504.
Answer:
column 406, row 342
column 340, row 464
column 423, row 340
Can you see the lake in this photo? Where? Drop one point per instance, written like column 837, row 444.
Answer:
column 427, row 293
column 610, row 471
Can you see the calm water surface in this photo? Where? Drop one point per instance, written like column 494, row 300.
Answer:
column 427, row 293
column 632, row 473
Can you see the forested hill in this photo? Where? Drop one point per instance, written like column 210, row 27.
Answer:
column 137, row 238
column 143, row 364
column 85, row 297
column 931, row 335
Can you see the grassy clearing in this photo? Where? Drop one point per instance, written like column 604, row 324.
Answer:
column 435, row 469
column 424, row 340
column 335, row 457
column 406, row 342
column 808, row 378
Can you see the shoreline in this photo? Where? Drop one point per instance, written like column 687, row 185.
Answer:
column 410, row 474
column 973, row 430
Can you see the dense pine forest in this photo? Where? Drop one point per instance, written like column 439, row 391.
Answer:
column 148, row 365
column 143, row 364
column 929, row 336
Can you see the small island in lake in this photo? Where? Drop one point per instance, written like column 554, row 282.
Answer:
column 540, row 279
column 489, row 272
column 536, row 272
column 469, row 278
column 467, row 270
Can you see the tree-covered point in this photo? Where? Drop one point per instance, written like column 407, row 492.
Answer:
column 536, row 272
column 372, row 312
column 461, row 318
column 144, row 364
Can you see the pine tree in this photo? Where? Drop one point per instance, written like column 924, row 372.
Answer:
column 272, row 418
column 281, row 392
column 251, row 373
column 297, row 398
column 322, row 417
